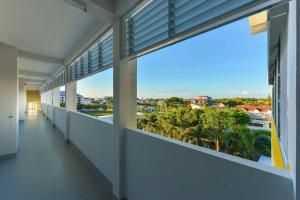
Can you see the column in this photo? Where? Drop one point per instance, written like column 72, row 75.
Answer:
column 125, row 94
column 22, row 100
column 55, row 101
column 71, row 105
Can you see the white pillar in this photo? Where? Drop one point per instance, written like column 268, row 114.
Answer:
column 55, row 102
column 71, row 105
column 56, row 97
column 8, row 100
column 124, row 80
column 22, row 100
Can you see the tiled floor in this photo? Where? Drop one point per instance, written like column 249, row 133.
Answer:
column 45, row 168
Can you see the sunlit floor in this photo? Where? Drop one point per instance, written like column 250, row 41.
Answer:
column 45, row 168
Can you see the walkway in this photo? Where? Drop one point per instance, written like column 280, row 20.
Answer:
column 47, row 169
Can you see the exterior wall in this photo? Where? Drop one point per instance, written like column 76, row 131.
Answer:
column 161, row 168
column 60, row 119
column 9, row 109
column 94, row 138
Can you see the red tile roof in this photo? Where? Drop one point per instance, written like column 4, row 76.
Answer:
column 252, row 108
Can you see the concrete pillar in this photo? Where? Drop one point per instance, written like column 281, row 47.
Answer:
column 71, row 105
column 55, row 101
column 56, row 97
column 125, row 94
column 22, row 100
column 9, row 110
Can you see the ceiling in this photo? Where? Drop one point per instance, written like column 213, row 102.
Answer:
column 48, row 32
column 37, row 66
column 45, row 27
column 41, row 26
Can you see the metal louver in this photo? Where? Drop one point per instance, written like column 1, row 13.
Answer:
column 158, row 23
column 98, row 57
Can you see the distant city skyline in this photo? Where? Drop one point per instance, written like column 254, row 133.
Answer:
column 225, row 62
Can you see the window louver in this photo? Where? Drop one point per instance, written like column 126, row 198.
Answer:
column 97, row 58
column 160, row 21
column 58, row 81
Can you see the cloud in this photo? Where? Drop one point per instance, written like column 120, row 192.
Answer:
column 245, row 92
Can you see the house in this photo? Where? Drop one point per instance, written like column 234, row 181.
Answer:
column 80, row 98
column 260, row 116
column 218, row 105
column 88, row 100
column 202, row 100
column 257, row 112
column 140, row 101
column 195, row 106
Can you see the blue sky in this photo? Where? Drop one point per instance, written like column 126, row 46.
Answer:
column 225, row 62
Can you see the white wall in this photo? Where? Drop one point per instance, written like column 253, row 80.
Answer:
column 22, row 100
column 43, row 108
column 8, row 100
column 93, row 137
column 50, row 113
column 160, row 168
column 60, row 119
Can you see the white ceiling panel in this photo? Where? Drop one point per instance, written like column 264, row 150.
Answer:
column 37, row 66
column 46, row 27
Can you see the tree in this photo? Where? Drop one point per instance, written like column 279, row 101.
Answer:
column 262, row 145
column 231, row 103
column 237, row 119
column 220, row 129
column 215, row 122
column 174, row 102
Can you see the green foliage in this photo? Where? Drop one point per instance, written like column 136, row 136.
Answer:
column 232, row 102
column 174, row 102
column 263, row 145
column 92, row 106
column 220, row 129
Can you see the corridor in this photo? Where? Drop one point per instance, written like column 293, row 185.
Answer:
column 45, row 168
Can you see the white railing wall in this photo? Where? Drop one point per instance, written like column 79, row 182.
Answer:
column 93, row 138
column 60, row 119
column 50, row 112
column 162, row 168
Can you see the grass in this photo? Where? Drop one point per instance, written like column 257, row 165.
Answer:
column 97, row 113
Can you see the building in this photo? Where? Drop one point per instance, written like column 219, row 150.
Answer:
column 80, row 98
column 89, row 100
column 195, row 106
column 107, row 100
column 140, row 101
column 63, row 154
column 218, row 105
column 261, row 116
column 202, row 100
column 258, row 112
